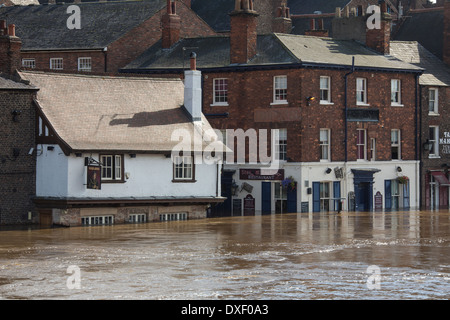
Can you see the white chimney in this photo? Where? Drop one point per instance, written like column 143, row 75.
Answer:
column 193, row 90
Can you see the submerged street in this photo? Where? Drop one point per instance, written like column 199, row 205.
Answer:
column 289, row 256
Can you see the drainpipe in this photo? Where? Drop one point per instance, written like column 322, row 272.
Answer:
column 418, row 141
column 105, row 56
column 346, row 107
column 346, row 129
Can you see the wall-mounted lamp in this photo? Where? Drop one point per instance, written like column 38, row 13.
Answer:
column 428, row 145
column 309, row 100
column 50, row 148
column 15, row 114
column 399, row 169
column 328, row 171
column 78, row 154
column 132, row 155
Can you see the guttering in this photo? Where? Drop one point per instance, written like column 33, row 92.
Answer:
column 346, row 106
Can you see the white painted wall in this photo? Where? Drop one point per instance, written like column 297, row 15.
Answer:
column 315, row 171
column 149, row 175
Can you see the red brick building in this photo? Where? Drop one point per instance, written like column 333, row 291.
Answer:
column 346, row 134
column 111, row 34
column 17, row 155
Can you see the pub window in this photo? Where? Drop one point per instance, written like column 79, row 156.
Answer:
column 112, row 167
column 84, row 64
column 281, row 144
column 433, row 101
column 361, row 91
column 220, row 92
column 280, row 89
column 325, row 144
column 361, row 144
column 183, row 168
column 395, row 144
column 396, row 98
column 56, row 63
column 29, row 63
column 325, row 93
column 433, row 139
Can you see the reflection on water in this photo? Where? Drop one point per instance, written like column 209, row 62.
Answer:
column 289, row 256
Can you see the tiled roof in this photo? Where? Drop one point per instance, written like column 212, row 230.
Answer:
column 323, row 51
column 10, row 84
column 44, row 27
column 114, row 113
column 214, row 52
column 436, row 72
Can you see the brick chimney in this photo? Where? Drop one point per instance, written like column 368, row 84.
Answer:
column 379, row 38
column 10, row 45
column 171, row 25
column 282, row 22
column 243, row 34
column 316, row 28
column 446, row 51
column 193, row 90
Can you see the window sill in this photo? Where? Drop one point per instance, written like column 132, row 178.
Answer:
column 183, row 181
column 326, row 103
column 325, row 160
column 113, row 181
column 279, row 103
column 433, row 156
column 363, row 104
column 397, row 105
column 219, row 104
column 433, row 114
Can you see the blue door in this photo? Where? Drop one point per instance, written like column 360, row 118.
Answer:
column 316, row 196
column 387, row 194
column 266, row 197
column 337, row 195
column 291, row 200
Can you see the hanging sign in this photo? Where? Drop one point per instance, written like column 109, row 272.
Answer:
column 94, row 177
column 258, row 174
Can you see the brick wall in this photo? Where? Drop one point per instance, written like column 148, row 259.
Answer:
column 250, row 95
column 17, row 171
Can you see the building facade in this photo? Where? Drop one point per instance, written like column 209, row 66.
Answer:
column 341, row 131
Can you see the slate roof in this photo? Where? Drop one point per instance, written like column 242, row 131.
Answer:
column 311, row 6
column 44, row 27
column 114, row 113
column 424, row 26
column 436, row 72
column 273, row 49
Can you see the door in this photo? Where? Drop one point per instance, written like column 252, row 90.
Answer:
column 266, row 195
column 280, row 198
column 45, row 218
column 362, row 195
column 291, row 200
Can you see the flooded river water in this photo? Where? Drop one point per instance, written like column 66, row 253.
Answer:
column 392, row 255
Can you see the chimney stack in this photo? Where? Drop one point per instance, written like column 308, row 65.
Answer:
column 10, row 45
column 193, row 90
column 316, row 28
column 379, row 38
column 446, row 51
column 243, row 34
column 171, row 25
column 282, row 22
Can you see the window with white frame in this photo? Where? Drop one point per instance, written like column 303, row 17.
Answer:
column 361, row 144
column 373, row 149
column 325, row 195
column 183, row 168
column 324, row 141
column 137, row 218
column 112, row 167
column 29, row 63
column 280, row 89
column 84, row 64
column 434, row 141
column 220, row 91
column 361, row 91
column 56, row 63
column 395, row 144
column 396, row 92
column 325, row 90
column 97, row 220
column 433, row 99
column 281, row 144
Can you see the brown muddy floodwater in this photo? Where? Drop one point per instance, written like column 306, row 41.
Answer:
column 398, row 255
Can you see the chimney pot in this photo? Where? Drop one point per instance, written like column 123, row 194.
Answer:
column 193, row 61
column 12, row 30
